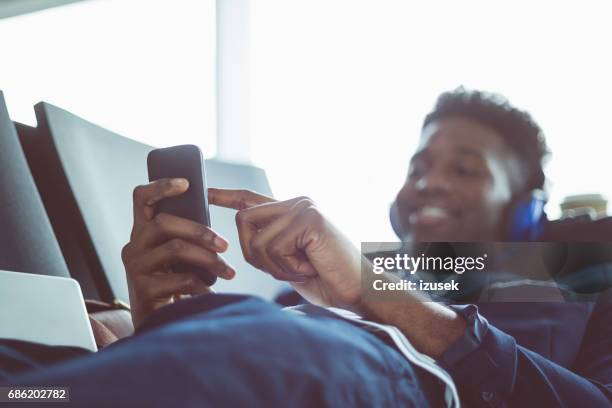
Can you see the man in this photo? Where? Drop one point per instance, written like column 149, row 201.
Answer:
column 476, row 156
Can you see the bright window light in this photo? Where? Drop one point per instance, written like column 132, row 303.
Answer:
column 142, row 68
column 339, row 90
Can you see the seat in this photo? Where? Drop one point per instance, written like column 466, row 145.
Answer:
column 86, row 175
column 27, row 240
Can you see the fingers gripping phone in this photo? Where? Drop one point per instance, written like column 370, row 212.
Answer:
column 185, row 161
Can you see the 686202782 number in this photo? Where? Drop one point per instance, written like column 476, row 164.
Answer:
column 39, row 394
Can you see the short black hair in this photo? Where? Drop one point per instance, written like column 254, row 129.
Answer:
column 521, row 133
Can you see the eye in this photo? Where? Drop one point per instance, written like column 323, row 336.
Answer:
column 466, row 170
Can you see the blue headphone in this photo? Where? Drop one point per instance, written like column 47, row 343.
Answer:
column 525, row 215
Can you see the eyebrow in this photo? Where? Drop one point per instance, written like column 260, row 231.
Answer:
column 468, row 151
column 462, row 150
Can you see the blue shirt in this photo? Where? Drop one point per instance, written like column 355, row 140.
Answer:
column 544, row 354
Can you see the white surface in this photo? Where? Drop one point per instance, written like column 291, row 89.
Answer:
column 144, row 68
column 233, row 31
column 339, row 90
column 10, row 8
column 44, row 309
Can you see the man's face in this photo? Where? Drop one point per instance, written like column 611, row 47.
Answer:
column 459, row 183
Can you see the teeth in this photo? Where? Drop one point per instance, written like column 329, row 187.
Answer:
column 434, row 212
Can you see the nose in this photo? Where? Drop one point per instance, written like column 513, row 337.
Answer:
column 433, row 182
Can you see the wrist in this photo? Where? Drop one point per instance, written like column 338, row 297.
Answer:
column 354, row 299
column 430, row 326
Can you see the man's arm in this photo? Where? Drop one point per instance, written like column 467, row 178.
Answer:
column 431, row 327
column 294, row 242
column 500, row 372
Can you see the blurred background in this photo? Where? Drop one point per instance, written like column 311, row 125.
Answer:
column 327, row 96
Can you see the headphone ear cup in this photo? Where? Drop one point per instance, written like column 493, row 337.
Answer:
column 395, row 220
column 526, row 217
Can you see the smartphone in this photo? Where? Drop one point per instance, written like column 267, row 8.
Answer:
column 185, row 161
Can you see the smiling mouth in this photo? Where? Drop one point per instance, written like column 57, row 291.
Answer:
column 429, row 215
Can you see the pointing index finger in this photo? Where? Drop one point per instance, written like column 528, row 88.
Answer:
column 236, row 199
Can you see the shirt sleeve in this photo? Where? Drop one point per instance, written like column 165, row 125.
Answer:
column 492, row 370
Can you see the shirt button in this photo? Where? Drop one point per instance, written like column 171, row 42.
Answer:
column 491, row 399
column 487, row 396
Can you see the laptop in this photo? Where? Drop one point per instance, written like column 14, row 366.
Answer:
column 44, row 309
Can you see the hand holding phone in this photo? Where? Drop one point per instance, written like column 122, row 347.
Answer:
column 185, row 161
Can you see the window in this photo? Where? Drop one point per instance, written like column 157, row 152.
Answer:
column 142, row 68
column 339, row 90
